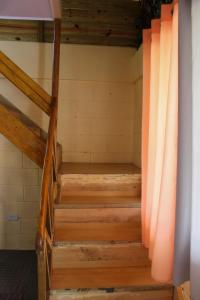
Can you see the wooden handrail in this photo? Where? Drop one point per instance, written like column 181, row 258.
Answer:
column 51, row 142
column 48, row 164
column 25, row 83
column 49, row 179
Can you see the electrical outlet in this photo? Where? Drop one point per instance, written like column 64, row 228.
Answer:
column 13, row 218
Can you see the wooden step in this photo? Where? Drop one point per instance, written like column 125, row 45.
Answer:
column 162, row 293
column 105, row 224
column 97, row 215
column 98, row 201
column 24, row 133
column 72, row 278
column 95, row 255
column 122, row 180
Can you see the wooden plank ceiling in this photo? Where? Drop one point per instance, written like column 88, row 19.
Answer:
column 96, row 22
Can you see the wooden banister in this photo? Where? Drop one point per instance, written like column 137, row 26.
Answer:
column 56, row 62
column 46, row 178
column 49, row 178
column 25, row 83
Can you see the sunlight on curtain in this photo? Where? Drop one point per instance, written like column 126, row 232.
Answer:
column 160, row 119
column 145, row 123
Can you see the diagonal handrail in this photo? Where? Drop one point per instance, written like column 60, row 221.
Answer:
column 49, row 179
column 25, row 83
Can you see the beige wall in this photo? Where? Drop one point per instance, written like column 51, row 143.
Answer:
column 96, row 112
column 19, row 196
column 137, row 115
column 99, row 108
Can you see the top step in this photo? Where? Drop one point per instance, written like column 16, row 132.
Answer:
column 115, row 180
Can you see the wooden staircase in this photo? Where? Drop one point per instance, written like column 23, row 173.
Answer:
column 89, row 235
column 97, row 236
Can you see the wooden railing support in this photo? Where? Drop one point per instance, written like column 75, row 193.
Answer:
column 42, row 278
column 25, row 83
column 56, row 61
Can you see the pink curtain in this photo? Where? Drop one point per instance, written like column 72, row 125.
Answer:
column 159, row 140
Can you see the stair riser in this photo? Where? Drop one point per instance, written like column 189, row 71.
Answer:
column 106, row 224
column 101, row 185
column 140, row 295
column 99, row 202
column 98, row 215
column 97, row 232
column 102, row 278
column 99, row 255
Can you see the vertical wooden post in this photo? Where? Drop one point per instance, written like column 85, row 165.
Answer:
column 42, row 276
column 56, row 58
column 55, row 84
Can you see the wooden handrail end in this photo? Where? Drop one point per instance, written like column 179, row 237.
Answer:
column 39, row 243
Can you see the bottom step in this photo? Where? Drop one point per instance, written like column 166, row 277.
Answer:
column 110, row 294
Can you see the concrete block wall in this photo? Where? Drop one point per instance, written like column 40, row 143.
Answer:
column 98, row 122
column 19, row 198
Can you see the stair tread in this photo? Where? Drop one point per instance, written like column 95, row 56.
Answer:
column 97, row 201
column 103, row 277
column 161, row 292
column 99, row 168
column 93, row 255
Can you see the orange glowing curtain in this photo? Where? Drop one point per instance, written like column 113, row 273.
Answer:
column 145, row 122
column 159, row 143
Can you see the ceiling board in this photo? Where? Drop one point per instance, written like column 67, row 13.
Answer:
column 96, row 22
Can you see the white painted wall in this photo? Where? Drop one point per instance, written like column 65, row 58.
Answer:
column 195, row 220
column 184, row 179
column 99, row 121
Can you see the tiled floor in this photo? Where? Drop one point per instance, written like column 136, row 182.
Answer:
column 18, row 275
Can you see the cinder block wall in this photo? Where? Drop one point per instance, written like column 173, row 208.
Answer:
column 19, row 198
column 97, row 123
